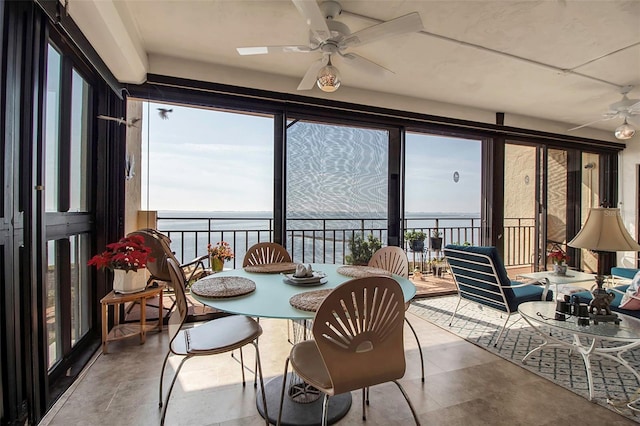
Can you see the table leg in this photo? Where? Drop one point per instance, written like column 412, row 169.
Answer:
column 143, row 319
column 586, row 352
column 161, row 311
column 105, row 327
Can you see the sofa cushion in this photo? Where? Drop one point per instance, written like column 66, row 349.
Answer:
column 628, row 273
column 585, row 297
column 629, row 300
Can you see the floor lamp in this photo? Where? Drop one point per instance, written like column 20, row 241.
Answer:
column 603, row 232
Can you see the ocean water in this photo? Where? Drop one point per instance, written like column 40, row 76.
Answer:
column 309, row 239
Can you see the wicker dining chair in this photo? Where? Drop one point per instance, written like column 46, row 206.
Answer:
column 211, row 338
column 264, row 253
column 394, row 260
column 160, row 245
column 357, row 342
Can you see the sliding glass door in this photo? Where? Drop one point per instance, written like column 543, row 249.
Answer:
column 336, row 189
column 67, row 178
column 547, row 194
column 442, row 193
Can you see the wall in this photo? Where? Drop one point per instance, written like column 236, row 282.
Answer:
column 628, row 189
column 183, row 68
column 133, row 182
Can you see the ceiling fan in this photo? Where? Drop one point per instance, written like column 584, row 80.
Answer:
column 625, row 108
column 331, row 38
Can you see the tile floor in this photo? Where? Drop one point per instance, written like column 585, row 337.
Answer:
column 465, row 385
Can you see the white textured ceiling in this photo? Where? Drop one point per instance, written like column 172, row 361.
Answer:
column 563, row 60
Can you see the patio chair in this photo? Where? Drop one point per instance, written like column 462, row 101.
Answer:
column 357, row 341
column 480, row 277
column 394, row 260
column 211, row 338
column 160, row 245
column 263, row 253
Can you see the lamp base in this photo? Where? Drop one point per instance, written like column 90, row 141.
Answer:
column 599, row 307
column 604, row 318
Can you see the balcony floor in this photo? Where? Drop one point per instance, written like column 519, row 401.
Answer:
column 429, row 285
column 121, row 387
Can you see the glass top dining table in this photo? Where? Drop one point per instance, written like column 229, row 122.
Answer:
column 271, row 296
column 270, row 299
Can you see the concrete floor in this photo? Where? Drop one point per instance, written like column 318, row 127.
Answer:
column 465, row 385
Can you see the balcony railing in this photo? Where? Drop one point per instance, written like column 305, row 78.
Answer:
column 325, row 240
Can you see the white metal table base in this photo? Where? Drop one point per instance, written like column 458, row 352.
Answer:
column 614, row 354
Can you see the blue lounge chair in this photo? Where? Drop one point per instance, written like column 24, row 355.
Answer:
column 480, row 277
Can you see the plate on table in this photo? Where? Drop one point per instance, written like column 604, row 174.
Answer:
column 318, row 278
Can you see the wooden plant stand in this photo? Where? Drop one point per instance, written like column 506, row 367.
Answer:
column 122, row 331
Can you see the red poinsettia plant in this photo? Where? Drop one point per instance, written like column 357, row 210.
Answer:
column 558, row 257
column 129, row 254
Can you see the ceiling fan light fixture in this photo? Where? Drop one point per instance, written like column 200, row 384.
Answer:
column 625, row 131
column 329, row 78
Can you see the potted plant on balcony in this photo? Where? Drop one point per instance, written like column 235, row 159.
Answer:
column 362, row 249
column 437, row 266
column 559, row 259
column 415, row 239
column 128, row 254
column 219, row 254
column 435, row 240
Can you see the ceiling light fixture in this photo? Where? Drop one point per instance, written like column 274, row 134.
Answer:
column 329, row 78
column 624, row 132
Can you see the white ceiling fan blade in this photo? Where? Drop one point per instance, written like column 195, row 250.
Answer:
column 263, row 50
column 592, row 122
column 634, row 121
column 402, row 25
column 635, row 108
column 365, row 65
column 311, row 76
column 315, row 19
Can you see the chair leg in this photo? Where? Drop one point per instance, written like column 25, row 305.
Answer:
column 164, row 365
column 406, row 397
column 325, row 410
column 504, row 326
column 455, row 310
column 242, row 367
column 419, row 346
column 255, row 370
column 364, row 397
column 259, row 372
column 173, row 382
column 284, row 386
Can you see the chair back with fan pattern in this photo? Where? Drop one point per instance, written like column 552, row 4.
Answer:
column 358, row 330
column 264, row 253
column 392, row 259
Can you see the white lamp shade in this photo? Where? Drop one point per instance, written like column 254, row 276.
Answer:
column 604, row 231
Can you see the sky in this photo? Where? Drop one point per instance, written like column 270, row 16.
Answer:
column 206, row 160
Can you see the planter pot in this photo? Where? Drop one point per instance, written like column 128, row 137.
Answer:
column 216, row 264
column 560, row 269
column 436, row 243
column 125, row 283
column 416, row 245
